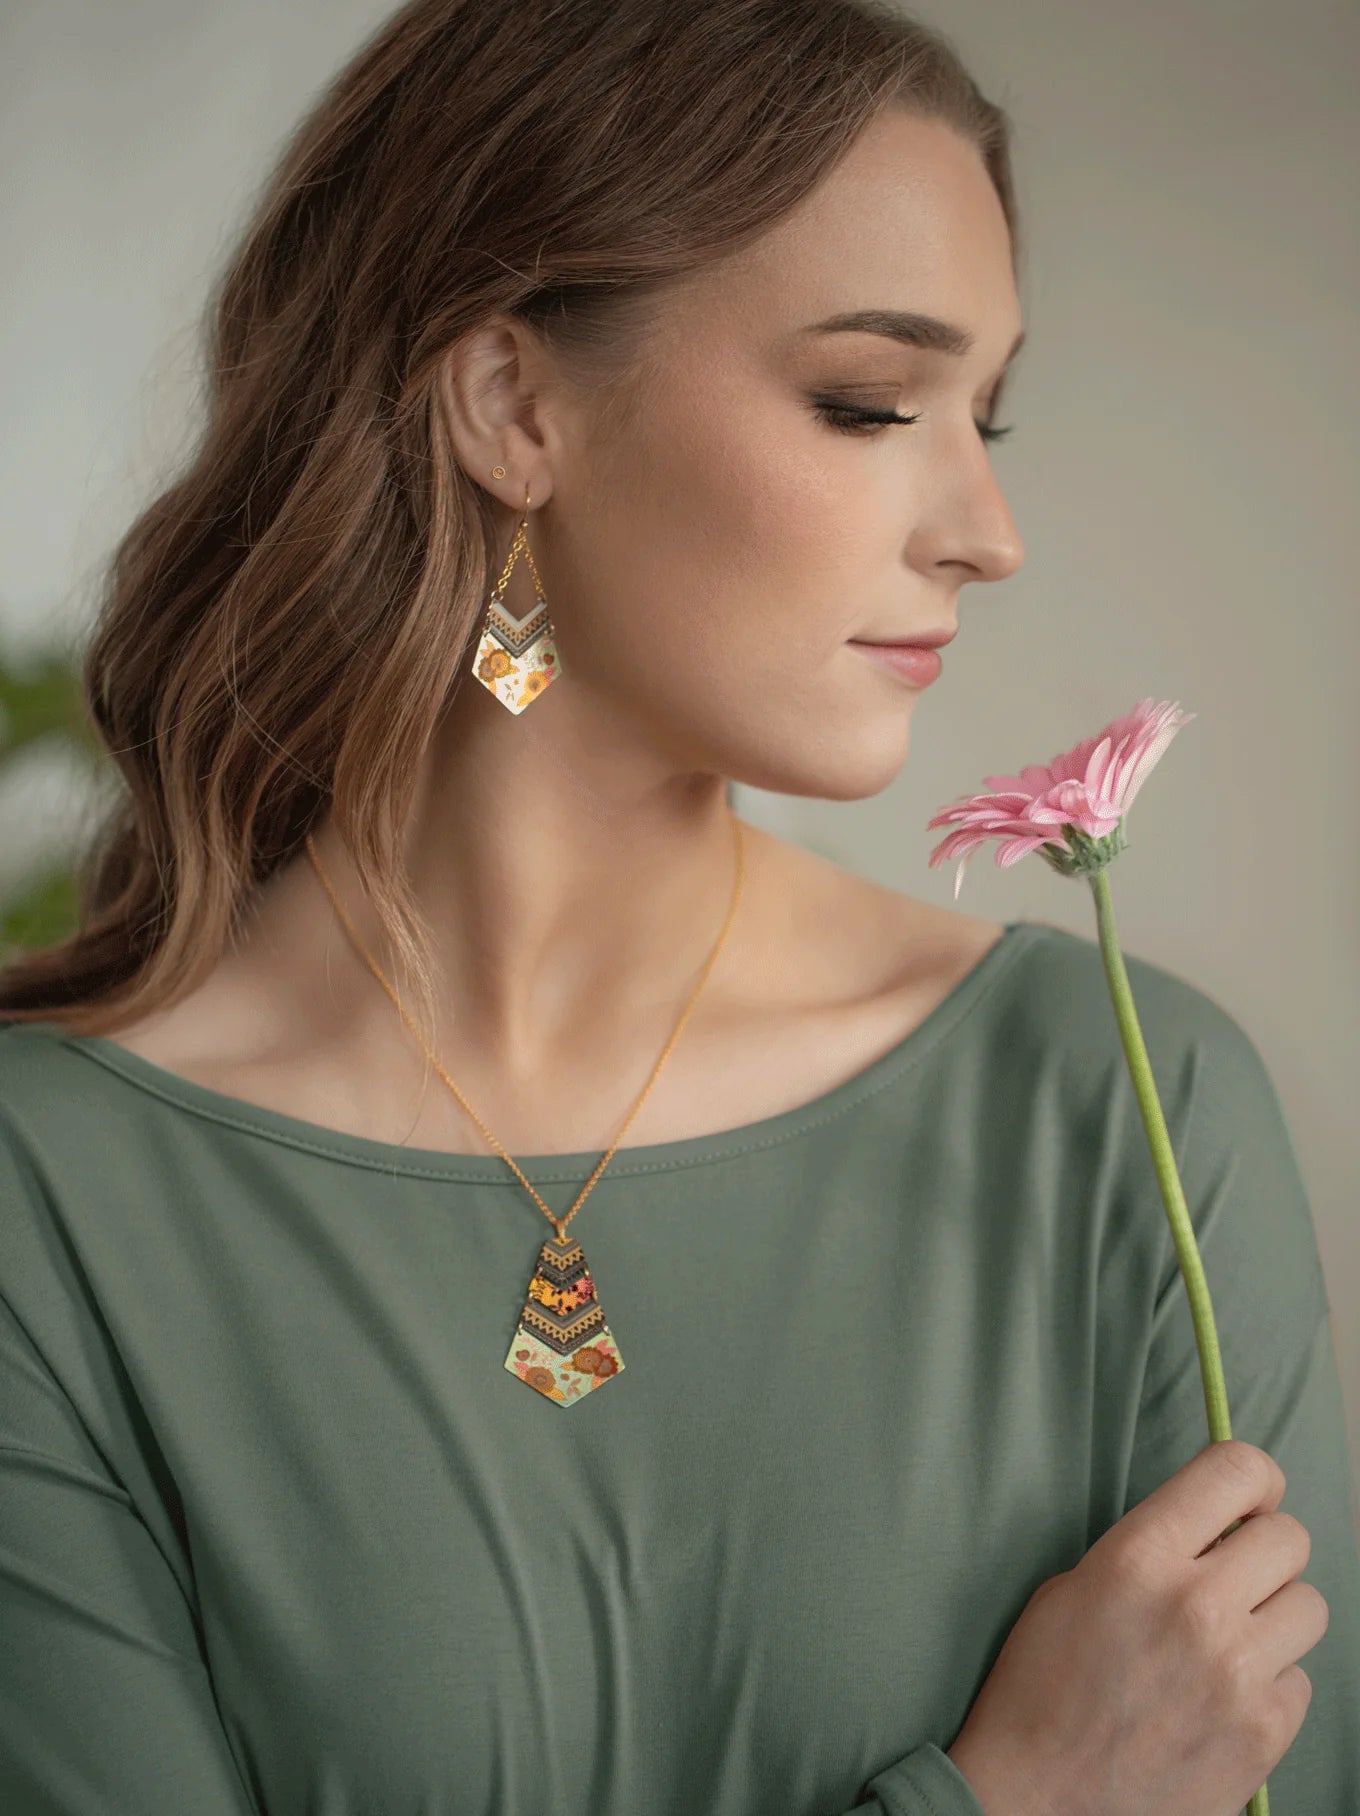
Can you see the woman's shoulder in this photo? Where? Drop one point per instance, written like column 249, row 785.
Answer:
column 31, row 1054
column 38, row 1073
column 1066, row 1002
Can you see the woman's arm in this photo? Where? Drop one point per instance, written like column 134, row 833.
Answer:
column 106, row 1702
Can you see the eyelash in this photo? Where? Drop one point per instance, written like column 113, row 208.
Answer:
column 852, row 420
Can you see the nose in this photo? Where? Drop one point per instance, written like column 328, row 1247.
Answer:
column 971, row 526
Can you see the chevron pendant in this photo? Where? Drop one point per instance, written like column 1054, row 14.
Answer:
column 562, row 1347
column 516, row 658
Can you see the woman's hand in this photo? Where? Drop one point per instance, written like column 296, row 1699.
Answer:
column 1159, row 1673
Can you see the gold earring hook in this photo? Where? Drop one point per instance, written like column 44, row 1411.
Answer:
column 499, row 473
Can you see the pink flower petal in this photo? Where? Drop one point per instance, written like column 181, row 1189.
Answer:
column 1089, row 788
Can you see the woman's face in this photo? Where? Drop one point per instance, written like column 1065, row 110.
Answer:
column 708, row 567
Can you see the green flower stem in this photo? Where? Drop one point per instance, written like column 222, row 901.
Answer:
column 1164, row 1159
column 1173, row 1197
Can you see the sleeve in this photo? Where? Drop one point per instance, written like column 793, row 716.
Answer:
column 1249, row 1206
column 924, row 1783
column 106, row 1704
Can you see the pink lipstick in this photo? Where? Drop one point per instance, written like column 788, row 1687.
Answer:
column 911, row 662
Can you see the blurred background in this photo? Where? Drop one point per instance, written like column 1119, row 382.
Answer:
column 1183, row 471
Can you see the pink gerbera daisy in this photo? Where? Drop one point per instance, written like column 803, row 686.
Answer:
column 1070, row 810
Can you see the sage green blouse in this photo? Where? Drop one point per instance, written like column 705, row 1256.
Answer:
column 283, row 1530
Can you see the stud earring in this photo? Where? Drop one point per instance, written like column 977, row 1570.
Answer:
column 517, row 658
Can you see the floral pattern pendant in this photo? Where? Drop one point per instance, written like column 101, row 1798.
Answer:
column 516, row 658
column 563, row 1347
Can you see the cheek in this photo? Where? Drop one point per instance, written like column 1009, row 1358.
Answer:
column 816, row 532
column 720, row 539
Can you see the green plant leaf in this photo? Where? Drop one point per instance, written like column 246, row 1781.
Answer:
column 43, row 910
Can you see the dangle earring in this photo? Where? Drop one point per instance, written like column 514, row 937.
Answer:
column 517, row 658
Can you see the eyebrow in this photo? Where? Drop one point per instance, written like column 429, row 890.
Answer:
column 910, row 327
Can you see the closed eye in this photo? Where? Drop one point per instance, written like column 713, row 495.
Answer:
column 853, row 419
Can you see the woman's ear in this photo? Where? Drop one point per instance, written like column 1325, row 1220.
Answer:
column 496, row 405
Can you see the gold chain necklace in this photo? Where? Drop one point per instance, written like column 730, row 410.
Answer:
column 562, row 1346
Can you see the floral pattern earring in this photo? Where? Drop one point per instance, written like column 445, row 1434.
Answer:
column 516, row 658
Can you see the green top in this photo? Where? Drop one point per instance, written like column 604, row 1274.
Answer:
column 279, row 1531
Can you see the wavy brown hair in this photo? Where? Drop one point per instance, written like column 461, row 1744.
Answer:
column 281, row 628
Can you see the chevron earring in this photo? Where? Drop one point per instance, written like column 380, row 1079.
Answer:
column 517, row 658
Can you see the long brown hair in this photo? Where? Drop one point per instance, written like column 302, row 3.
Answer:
column 280, row 629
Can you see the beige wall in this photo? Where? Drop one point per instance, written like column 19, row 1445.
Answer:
column 1183, row 471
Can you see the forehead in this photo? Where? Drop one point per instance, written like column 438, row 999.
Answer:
column 908, row 219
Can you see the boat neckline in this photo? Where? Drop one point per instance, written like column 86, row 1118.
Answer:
column 651, row 1157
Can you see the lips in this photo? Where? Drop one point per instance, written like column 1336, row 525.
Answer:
column 910, row 661
column 935, row 639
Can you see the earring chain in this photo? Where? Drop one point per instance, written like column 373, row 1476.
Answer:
column 521, row 541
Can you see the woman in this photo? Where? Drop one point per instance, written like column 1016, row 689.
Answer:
column 536, row 385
